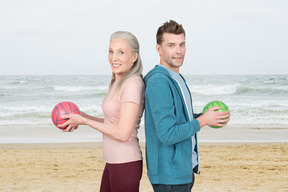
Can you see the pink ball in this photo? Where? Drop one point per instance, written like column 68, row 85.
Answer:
column 63, row 108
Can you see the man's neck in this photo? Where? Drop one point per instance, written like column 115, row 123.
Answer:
column 175, row 69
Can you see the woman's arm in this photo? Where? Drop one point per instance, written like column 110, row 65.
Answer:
column 101, row 120
column 120, row 131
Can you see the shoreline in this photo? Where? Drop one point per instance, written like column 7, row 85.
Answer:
column 13, row 134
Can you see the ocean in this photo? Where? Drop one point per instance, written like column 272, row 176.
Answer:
column 258, row 106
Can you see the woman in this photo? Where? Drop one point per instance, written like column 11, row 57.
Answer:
column 123, row 108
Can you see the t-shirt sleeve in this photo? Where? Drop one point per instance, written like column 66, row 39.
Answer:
column 133, row 90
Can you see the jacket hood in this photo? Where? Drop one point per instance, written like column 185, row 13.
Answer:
column 157, row 69
column 161, row 70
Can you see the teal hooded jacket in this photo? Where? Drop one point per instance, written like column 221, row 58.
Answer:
column 168, row 130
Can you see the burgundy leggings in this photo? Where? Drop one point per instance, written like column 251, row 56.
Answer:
column 122, row 177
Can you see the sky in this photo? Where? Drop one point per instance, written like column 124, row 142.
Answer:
column 71, row 37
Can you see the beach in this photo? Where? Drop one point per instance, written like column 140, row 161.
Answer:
column 249, row 154
column 45, row 167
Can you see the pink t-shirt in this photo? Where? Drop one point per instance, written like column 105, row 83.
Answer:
column 115, row 151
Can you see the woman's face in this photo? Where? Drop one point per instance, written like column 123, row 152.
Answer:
column 120, row 57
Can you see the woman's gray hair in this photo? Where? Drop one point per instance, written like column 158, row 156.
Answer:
column 137, row 67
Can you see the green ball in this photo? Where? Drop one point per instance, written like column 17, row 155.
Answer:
column 214, row 104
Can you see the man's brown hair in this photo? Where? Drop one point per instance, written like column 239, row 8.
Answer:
column 169, row 27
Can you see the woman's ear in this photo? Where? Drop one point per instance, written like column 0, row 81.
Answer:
column 135, row 57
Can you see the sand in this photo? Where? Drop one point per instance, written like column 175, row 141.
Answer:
column 77, row 167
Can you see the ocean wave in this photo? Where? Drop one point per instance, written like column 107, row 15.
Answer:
column 238, row 90
column 33, row 115
column 73, row 88
column 213, row 89
column 97, row 95
column 9, row 111
column 39, row 111
column 276, row 80
column 242, row 90
column 251, row 99
column 5, row 87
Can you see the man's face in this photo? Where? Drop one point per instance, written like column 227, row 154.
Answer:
column 172, row 51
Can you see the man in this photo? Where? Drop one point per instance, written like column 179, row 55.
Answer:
column 170, row 125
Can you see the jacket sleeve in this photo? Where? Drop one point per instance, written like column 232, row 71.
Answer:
column 196, row 115
column 161, row 103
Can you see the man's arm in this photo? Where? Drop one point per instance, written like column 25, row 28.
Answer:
column 169, row 131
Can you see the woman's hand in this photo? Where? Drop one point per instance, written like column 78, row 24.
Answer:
column 74, row 120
